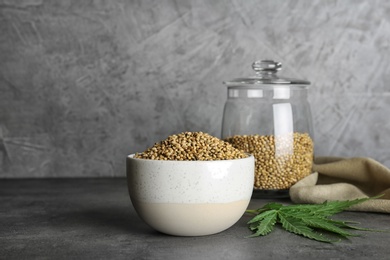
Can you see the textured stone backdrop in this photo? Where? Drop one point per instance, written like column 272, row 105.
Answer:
column 84, row 83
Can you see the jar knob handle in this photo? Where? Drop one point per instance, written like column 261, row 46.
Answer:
column 266, row 66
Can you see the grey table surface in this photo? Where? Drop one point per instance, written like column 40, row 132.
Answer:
column 94, row 219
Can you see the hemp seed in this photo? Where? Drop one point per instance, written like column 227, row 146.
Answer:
column 192, row 146
column 280, row 161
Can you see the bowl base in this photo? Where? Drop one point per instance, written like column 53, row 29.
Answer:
column 187, row 219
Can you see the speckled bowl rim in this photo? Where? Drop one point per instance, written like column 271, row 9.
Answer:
column 131, row 156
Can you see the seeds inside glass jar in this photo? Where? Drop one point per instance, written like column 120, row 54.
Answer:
column 280, row 161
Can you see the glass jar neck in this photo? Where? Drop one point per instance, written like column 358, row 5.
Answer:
column 269, row 92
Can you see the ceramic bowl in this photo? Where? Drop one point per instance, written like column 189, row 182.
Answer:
column 190, row 198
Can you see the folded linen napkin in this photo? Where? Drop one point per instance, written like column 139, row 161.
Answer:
column 337, row 178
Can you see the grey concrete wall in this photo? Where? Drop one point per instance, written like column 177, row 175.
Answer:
column 84, row 83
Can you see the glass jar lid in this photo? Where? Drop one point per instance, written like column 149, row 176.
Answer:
column 266, row 74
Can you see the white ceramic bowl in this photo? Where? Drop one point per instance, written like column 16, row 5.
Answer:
column 190, row 198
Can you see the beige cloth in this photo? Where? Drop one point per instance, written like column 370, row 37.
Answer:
column 345, row 179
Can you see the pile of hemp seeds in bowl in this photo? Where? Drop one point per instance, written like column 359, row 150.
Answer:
column 192, row 146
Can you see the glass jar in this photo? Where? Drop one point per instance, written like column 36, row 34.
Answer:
column 270, row 117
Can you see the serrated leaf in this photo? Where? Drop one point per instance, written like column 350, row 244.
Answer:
column 326, row 224
column 320, row 222
column 298, row 227
column 345, row 224
column 265, row 226
column 305, row 219
column 266, row 207
column 328, row 208
column 332, row 207
column 262, row 215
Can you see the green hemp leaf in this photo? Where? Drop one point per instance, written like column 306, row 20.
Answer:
column 307, row 220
